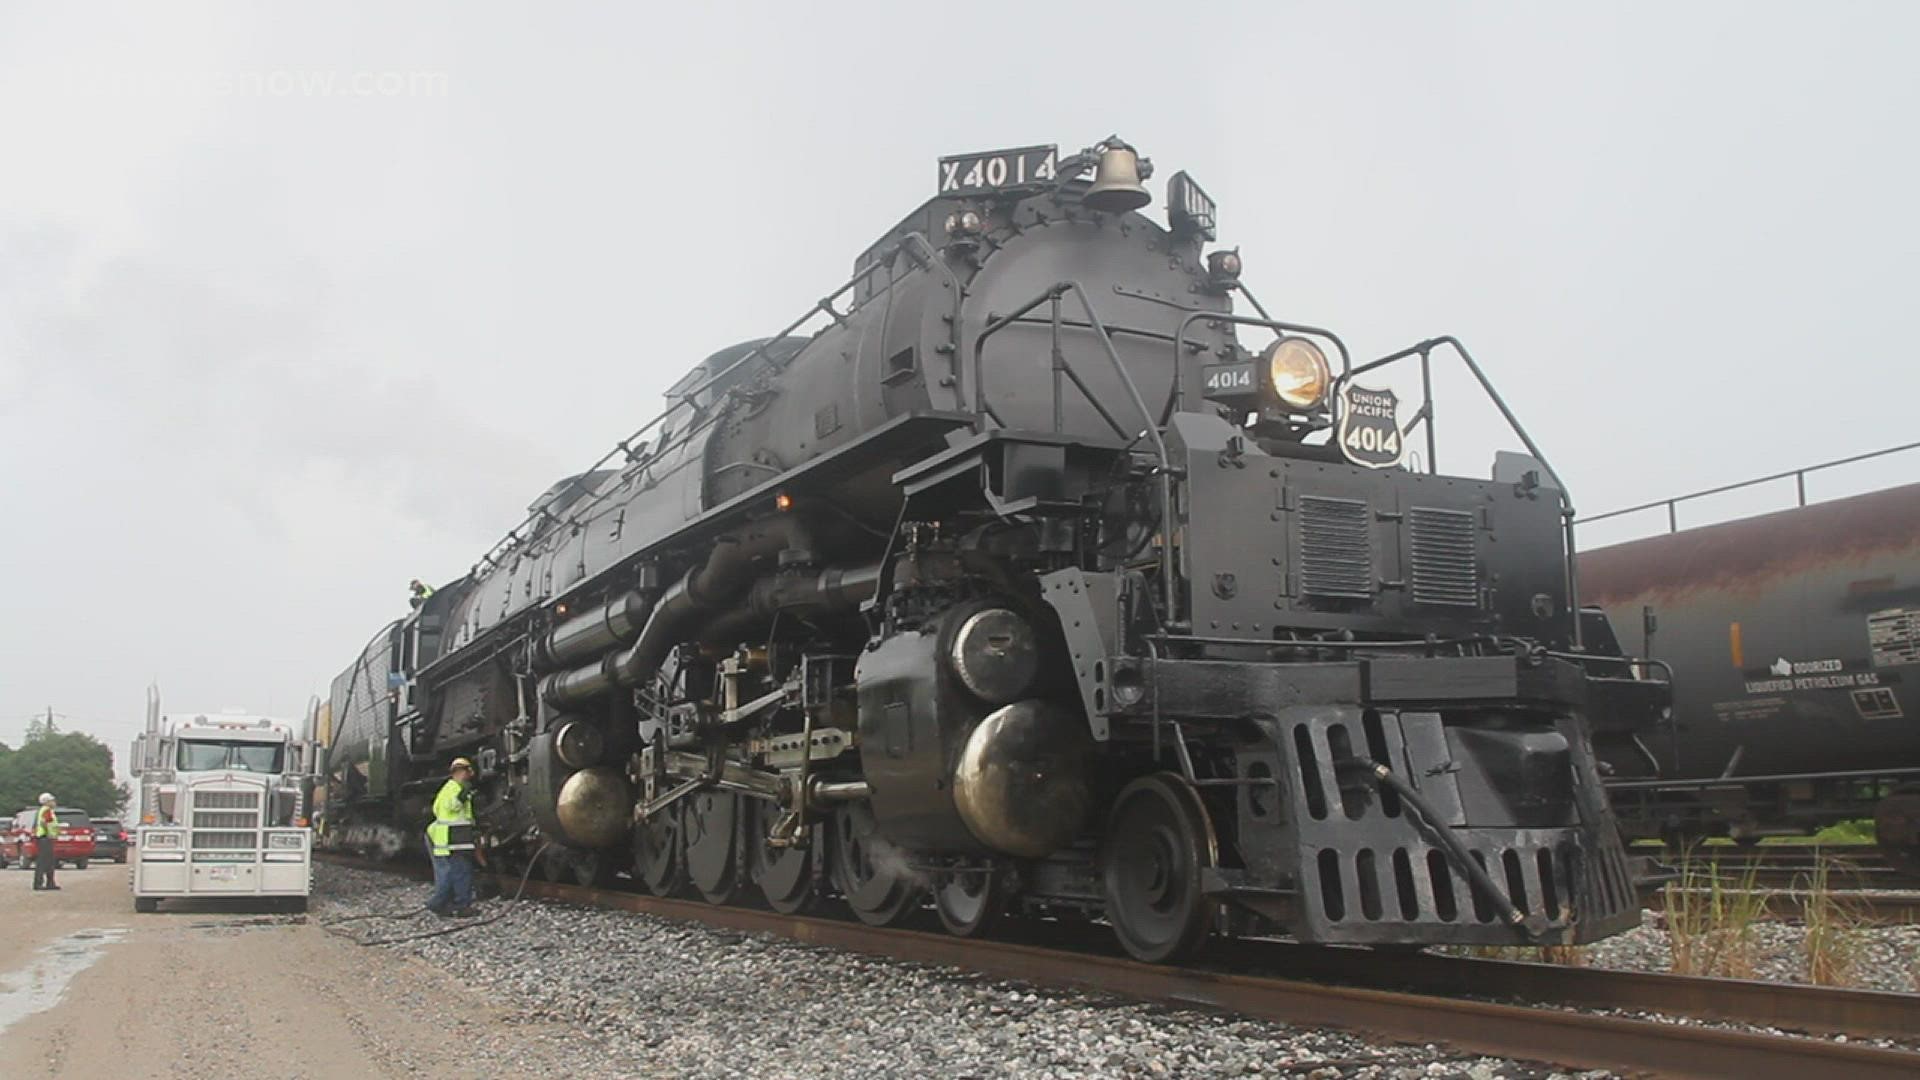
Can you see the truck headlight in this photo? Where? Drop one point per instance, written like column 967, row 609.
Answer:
column 161, row 841
column 1297, row 372
column 283, row 841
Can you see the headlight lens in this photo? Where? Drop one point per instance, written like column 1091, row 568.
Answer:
column 1297, row 370
column 283, row 841
column 158, row 840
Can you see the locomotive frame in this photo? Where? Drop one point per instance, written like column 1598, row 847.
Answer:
column 927, row 605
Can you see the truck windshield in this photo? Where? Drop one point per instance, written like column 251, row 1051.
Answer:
column 202, row 756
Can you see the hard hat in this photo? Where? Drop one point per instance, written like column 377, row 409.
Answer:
column 460, row 763
column 46, row 797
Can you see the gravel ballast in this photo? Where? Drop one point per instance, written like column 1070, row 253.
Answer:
column 655, row 997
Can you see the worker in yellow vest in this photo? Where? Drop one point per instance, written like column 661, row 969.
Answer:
column 450, row 839
column 46, row 826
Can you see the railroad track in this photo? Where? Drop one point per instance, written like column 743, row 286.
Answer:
column 1464, row 1003
column 1846, row 866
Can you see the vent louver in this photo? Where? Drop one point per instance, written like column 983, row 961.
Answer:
column 1336, row 549
column 1444, row 570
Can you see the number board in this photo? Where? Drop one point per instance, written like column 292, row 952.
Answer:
column 1369, row 432
column 1227, row 380
column 1189, row 210
column 998, row 170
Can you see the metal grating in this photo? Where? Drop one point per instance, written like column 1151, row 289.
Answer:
column 1336, row 550
column 226, row 800
column 1444, row 568
column 226, row 819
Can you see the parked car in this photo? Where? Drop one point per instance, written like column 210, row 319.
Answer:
column 110, row 839
column 74, row 844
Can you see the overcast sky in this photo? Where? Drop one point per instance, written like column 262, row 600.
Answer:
column 297, row 305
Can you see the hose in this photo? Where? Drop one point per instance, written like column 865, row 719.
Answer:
column 1450, row 844
column 329, row 925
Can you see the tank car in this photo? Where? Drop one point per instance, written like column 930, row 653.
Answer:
column 1027, row 573
column 1794, row 639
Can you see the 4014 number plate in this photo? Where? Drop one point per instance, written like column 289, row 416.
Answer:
column 998, row 170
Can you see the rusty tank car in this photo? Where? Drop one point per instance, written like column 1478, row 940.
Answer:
column 1794, row 641
column 1029, row 572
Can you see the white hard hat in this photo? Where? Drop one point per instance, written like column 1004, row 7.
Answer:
column 46, row 797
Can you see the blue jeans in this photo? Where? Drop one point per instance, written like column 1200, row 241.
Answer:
column 452, row 882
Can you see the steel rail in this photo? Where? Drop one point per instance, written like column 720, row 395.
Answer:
column 1578, row 1039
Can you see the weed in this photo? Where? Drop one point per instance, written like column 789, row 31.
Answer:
column 1830, row 944
column 1710, row 926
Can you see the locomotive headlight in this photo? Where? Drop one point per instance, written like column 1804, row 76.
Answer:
column 1297, row 372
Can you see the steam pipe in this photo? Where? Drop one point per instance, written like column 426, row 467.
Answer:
column 615, row 622
column 714, row 584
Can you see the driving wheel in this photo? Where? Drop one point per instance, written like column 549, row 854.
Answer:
column 1158, row 841
column 785, row 875
column 657, row 855
column 712, row 826
column 870, row 872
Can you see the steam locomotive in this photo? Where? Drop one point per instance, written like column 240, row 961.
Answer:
column 1015, row 578
column 1793, row 637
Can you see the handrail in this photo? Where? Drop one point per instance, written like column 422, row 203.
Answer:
column 624, row 446
column 1064, row 367
column 1423, row 350
column 1799, row 477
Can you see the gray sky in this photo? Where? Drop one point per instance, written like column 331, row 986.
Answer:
column 295, row 306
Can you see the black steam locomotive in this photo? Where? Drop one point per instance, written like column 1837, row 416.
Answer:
column 1014, row 577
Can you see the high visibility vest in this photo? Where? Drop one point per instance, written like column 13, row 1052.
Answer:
column 423, row 591
column 46, row 823
column 452, row 828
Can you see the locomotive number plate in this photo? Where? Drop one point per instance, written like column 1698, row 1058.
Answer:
column 997, row 170
column 1369, row 431
column 1227, row 380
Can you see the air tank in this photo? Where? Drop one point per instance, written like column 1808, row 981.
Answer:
column 1794, row 636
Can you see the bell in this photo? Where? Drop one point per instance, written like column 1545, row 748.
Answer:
column 1116, row 181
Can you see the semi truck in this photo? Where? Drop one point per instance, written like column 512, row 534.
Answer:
column 223, row 809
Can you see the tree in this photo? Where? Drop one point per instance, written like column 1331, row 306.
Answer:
column 77, row 768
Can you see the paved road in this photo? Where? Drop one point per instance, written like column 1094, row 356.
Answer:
column 89, row 989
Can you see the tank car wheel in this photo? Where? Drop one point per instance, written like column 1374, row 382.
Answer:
column 785, row 875
column 1896, row 825
column 658, row 859
column 712, row 824
column 869, row 872
column 553, row 866
column 1158, row 842
column 969, row 902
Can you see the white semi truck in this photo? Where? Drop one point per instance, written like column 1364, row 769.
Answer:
column 223, row 809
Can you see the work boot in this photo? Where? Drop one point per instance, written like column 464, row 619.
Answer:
column 464, row 913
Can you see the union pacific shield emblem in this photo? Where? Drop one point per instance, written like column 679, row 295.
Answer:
column 1370, row 427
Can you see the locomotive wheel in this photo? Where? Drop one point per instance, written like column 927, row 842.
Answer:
column 658, row 859
column 785, row 875
column 969, row 902
column 870, row 873
column 553, row 866
column 1158, row 842
column 712, row 823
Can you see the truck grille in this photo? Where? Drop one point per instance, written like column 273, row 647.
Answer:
column 1443, row 558
column 209, row 840
column 226, row 819
column 1336, row 553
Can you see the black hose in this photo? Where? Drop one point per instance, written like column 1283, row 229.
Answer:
column 442, row 931
column 1450, row 844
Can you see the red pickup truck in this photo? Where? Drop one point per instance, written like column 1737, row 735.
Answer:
column 73, row 845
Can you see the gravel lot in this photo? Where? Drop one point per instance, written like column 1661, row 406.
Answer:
column 661, row 998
